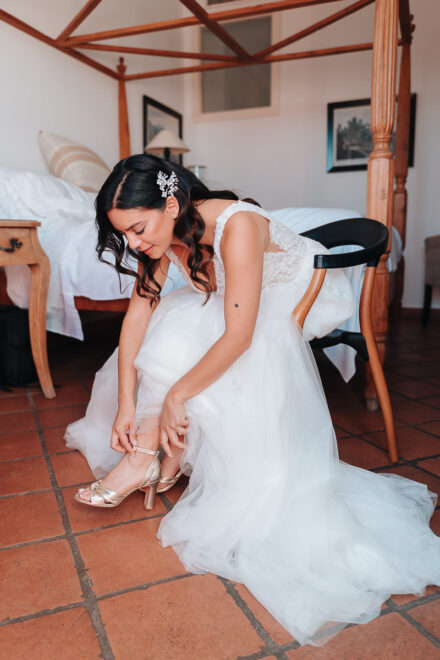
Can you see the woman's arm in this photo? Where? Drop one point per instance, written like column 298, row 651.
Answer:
column 242, row 250
column 133, row 330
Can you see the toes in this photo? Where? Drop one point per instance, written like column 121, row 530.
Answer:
column 84, row 494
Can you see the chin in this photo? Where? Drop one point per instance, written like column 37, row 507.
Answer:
column 155, row 253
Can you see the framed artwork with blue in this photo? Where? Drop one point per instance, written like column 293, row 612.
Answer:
column 349, row 141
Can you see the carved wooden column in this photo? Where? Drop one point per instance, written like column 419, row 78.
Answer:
column 402, row 147
column 381, row 163
column 401, row 170
column 124, row 131
column 402, row 142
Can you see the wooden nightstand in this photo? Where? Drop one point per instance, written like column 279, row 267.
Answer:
column 19, row 244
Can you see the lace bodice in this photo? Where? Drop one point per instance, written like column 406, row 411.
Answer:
column 285, row 265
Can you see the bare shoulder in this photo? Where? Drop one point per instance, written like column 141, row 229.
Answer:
column 245, row 227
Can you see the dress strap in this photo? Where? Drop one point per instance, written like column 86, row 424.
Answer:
column 172, row 257
column 180, row 267
column 222, row 219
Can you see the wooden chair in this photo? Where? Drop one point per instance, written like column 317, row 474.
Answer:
column 19, row 244
column 372, row 236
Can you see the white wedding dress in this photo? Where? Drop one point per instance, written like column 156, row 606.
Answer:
column 320, row 543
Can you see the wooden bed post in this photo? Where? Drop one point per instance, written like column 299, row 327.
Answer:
column 402, row 146
column 380, row 175
column 124, row 131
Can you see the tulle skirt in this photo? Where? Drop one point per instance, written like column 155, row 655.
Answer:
column 320, row 543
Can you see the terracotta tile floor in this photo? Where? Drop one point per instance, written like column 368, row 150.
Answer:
column 87, row 583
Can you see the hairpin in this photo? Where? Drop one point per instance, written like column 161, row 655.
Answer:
column 167, row 184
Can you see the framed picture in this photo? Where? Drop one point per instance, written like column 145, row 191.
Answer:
column 158, row 117
column 349, row 140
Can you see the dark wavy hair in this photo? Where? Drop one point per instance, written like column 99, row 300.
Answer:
column 133, row 184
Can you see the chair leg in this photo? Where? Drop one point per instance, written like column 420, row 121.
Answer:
column 376, row 365
column 384, row 401
column 427, row 304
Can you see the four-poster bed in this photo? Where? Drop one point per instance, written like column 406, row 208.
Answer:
column 386, row 202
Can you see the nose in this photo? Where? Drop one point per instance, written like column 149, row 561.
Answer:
column 133, row 241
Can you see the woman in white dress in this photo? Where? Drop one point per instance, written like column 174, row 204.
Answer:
column 220, row 371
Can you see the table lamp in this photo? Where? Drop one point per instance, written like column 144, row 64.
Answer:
column 166, row 143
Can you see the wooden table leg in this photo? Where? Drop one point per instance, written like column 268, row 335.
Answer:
column 40, row 274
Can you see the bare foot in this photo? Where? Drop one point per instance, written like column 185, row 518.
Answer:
column 130, row 471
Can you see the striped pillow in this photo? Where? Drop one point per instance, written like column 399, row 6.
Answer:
column 73, row 162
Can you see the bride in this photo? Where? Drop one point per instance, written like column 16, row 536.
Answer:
column 220, row 375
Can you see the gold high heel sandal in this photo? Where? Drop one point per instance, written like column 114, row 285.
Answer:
column 169, row 481
column 105, row 497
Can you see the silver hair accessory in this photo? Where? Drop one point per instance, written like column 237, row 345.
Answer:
column 167, row 184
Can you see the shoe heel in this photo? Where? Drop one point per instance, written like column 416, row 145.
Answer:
column 150, row 494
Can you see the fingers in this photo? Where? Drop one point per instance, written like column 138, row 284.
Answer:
column 120, row 441
column 125, row 441
column 174, row 439
column 132, row 435
column 172, row 436
column 115, row 444
column 182, row 427
column 165, row 444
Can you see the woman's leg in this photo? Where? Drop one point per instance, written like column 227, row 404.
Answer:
column 132, row 468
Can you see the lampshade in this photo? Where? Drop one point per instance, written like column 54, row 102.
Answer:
column 166, row 140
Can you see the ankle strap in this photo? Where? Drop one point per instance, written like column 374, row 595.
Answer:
column 142, row 450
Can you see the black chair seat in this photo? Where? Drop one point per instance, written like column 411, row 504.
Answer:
column 354, row 339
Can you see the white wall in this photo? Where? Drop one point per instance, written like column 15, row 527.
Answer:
column 42, row 88
column 281, row 160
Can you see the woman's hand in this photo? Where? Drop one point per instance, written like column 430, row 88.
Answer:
column 123, row 430
column 173, row 423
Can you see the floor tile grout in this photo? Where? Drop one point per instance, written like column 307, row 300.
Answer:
column 25, row 492
column 41, row 613
column 244, row 607
column 423, row 600
column 418, row 626
column 121, row 523
column 81, row 532
column 90, row 600
column 144, row 586
column 277, row 652
column 50, row 453
column 26, row 544
column 48, row 408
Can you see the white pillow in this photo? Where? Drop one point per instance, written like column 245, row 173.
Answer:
column 73, row 162
column 32, row 196
column 26, row 182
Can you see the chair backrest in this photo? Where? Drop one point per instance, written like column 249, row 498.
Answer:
column 370, row 234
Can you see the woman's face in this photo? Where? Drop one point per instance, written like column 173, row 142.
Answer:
column 146, row 230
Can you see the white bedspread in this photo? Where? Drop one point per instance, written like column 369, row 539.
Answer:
column 68, row 236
